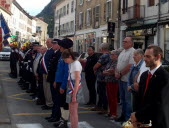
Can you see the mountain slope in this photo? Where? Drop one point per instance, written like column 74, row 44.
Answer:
column 48, row 14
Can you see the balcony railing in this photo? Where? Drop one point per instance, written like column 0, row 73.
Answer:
column 134, row 12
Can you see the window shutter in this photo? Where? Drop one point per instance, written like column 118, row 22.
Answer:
column 94, row 17
column 91, row 17
column 104, row 11
column 82, row 19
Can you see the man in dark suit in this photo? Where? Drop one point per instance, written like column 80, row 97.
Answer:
column 51, row 78
column 153, row 92
column 44, row 70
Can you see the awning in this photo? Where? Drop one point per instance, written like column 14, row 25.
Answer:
column 163, row 22
column 147, row 26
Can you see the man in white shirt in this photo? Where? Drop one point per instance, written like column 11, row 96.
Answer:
column 125, row 60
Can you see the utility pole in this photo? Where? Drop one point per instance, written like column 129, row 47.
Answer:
column 59, row 25
column 119, row 23
column 158, row 27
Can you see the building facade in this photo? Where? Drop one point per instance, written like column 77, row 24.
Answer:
column 95, row 23
column 41, row 31
column 146, row 22
column 65, row 19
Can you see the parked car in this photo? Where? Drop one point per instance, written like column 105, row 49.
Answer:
column 83, row 58
column 5, row 53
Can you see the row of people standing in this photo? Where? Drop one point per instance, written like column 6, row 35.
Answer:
column 51, row 74
column 129, row 74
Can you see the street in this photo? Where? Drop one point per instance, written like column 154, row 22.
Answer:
column 24, row 113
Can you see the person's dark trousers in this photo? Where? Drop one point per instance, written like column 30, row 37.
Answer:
column 101, row 91
column 40, row 92
column 90, row 81
column 13, row 66
column 56, row 97
column 33, row 84
column 135, row 104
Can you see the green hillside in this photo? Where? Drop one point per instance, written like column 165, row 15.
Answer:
column 48, row 14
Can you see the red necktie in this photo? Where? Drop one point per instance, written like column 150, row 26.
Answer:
column 147, row 81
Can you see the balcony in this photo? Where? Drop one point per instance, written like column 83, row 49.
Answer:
column 134, row 13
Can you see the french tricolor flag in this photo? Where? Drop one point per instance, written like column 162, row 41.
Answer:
column 4, row 30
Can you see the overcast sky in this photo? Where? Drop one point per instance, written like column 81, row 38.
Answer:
column 33, row 7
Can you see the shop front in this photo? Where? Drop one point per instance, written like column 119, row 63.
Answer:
column 142, row 37
column 90, row 40
column 79, row 43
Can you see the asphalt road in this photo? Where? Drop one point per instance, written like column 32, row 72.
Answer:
column 24, row 113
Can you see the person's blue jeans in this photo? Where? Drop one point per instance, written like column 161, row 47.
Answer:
column 125, row 97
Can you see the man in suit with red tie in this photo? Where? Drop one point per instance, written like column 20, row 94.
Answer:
column 153, row 92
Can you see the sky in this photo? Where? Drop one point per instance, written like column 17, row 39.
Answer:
column 33, row 7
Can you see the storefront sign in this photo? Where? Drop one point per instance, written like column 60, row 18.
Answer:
column 142, row 32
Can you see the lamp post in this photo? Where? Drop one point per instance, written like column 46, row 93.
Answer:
column 59, row 25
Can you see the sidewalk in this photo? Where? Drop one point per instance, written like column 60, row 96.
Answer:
column 4, row 114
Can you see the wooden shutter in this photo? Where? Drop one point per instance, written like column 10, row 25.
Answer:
column 105, row 11
column 94, row 21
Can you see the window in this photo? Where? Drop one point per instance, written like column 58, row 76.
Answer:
column 72, row 6
column 88, row 17
column 97, row 16
column 64, row 10
column 80, row 20
column 61, row 13
column 125, row 6
column 108, row 9
column 72, row 25
column 164, row 1
column 151, row 2
column 67, row 9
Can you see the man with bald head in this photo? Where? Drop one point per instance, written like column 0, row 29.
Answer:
column 44, row 70
column 125, row 60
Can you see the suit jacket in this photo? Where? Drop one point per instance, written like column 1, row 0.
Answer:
column 154, row 105
column 53, row 66
column 47, row 56
column 36, row 62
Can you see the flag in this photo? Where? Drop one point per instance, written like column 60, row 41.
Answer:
column 4, row 30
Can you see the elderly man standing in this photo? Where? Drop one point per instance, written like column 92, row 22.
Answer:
column 125, row 60
column 44, row 70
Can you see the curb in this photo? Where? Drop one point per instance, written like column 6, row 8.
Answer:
column 4, row 114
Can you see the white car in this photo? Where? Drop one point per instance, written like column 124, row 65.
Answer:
column 5, row 53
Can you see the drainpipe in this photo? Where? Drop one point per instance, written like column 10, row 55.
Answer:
column 119, row 23
column 158, row 27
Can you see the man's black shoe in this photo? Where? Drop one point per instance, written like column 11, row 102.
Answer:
column 45, row 107
column 47, row 118
column 120, row 119
column 39, row 102
column 52, row 120
column 88, row 103
column 29, row 91
column 62, row 124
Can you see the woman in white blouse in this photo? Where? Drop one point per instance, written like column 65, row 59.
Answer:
column 74, row 91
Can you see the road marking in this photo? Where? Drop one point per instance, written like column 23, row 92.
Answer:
column 86, row 108
column 20, row 98
column 36, row 114
column 19, row 94
column 83, row 124
column 4, row 70
column 8, row 79
column 29, row 125
column 30, row 114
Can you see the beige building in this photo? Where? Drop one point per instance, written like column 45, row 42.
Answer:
column 95, row 23
column 5, row 9
column 41, row 30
